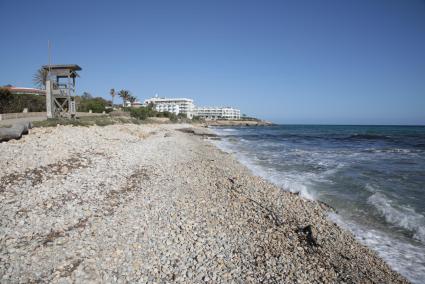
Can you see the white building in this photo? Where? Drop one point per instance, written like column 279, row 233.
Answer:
column 173, row 108
column 136, row 104
column 26, row 91
column 213, row 113
column 173, row 105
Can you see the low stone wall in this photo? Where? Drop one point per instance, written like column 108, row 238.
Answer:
column 4, row 116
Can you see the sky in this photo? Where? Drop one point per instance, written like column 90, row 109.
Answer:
column 292, row 62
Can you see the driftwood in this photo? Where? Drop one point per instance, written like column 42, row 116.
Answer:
column 15, row 131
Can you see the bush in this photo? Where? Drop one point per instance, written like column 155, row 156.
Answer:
column 83, row 121
column 173, row 117
column 140, row 113
column 10, row 103
column 5, row 100
column 197, row 119
column 145, row 112
column 96, row 105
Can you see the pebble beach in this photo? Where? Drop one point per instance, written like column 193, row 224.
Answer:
column 159, row 203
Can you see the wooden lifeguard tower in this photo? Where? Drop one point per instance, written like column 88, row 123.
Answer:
column 60, row 90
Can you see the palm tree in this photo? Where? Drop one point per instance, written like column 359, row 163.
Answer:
column 40, row 78
column 112, row 93
column 125, row 95
column 132, row 99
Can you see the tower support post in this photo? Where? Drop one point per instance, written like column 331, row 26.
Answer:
column 49, row 100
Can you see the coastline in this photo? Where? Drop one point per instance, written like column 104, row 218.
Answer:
column 238, row 123
column 150, row 203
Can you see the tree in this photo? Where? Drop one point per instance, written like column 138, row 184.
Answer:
column 112, row 93
column 87, row 102
column 40, row 78
column 125, row 95
column 5, row 100
column 139, row 113
column 10, row 103
column 131, row 98
column 87, row 96
column 151, row 106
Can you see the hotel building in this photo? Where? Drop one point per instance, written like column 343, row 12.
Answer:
column 173, row 105
column 213, row 113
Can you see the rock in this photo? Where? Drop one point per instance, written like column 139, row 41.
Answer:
column 14, row 132
column 310, row 234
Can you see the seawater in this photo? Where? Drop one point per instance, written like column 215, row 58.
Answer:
column 374, row 176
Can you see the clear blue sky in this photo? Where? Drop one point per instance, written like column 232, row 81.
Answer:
column 354, row 62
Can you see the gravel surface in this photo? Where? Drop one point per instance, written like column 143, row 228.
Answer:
column 149, row 204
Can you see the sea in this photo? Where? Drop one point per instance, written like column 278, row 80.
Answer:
column 374, row 176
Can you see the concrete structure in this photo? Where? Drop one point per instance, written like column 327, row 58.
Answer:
column 22, row 116
column 173, row 105
column 26, row 91
column 214, row 113
column 60, row 90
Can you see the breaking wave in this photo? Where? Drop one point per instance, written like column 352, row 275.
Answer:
column 404, row 217
column 373, row 176
column 404, row 257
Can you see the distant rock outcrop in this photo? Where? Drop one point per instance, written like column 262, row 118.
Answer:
column 253, row 122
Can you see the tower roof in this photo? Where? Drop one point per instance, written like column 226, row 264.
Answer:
column 72, row 67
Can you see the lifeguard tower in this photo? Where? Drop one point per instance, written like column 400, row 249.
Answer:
column 60, row 90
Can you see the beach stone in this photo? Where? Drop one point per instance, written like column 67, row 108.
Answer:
column 153, row 204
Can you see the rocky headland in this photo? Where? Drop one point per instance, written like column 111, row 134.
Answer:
column 241, row 122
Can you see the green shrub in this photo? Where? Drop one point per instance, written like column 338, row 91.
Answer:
column 51, row 122
column 103, row 120
column 87, row 103
column 197, row 119
column 10, row 103
column 139, row 113
column 144, row 112
column 172, row 116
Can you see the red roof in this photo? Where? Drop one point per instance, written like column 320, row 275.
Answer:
column 26, row 90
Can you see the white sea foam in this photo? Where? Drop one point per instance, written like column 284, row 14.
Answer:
column 228, row 130
column 370, row 188
column 401, row 255
column 288, row 182
column 404, row 217
column 292, row 183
